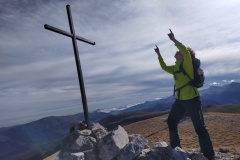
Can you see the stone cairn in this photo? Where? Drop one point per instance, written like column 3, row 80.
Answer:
column 97, row 143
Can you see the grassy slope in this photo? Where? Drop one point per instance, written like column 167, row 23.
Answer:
column 128, row 118
column 222, row 122
column 223, row 128
column 230, row 108
column 131, row 117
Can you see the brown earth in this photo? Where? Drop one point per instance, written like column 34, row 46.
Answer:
column 52, row 157
column 223, row 128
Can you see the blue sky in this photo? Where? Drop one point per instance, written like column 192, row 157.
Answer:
column 38, row 75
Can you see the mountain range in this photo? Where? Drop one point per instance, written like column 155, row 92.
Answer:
column 214, row 95
column 38, row 139
column 211, row 97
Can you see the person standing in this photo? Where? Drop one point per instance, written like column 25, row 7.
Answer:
column 187, row 98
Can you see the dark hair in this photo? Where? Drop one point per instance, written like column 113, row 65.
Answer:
column 191, row 51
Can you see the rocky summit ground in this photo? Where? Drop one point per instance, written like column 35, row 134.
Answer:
column 223, row 128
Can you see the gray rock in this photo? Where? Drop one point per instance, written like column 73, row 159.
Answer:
column 99, row 131
column 91, row 154
column 160, row 144
column 165, row 152
column 168, row 153
column 82, row 125
column 198, row 156
column 134, row 148
column 223, row 150
column 111, row 145
column 69, row 140
column 82, row 143
column 179, row 154
column 96, row 144
column 85, row 132
column 195, row 155
column 76, row 143
column 148, row 154
column 71, row 156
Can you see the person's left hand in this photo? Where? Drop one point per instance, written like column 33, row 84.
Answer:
column 157, row 50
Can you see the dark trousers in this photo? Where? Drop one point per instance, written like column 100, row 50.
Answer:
column 194, row 110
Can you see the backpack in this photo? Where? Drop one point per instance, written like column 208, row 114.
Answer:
column 198, row 79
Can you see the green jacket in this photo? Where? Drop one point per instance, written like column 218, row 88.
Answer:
column 180, row 79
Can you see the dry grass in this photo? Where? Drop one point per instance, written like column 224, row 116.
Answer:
column 223, row 128
column 52, row 157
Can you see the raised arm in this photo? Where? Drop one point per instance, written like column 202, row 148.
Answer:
column 163, row 65
column 187, row 64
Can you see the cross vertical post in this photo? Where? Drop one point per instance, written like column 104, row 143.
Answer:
column 77, row 58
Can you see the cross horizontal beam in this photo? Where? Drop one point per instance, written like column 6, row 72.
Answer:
column 54, row 29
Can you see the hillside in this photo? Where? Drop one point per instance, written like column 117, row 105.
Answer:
column 128, row 118
column 228, row 108
column 222, row 128
column 228, row 94
column 37, row 139
column 131, row 117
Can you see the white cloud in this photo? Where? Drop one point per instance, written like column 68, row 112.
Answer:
column 215, row 84
column 122, row 68
column 228, row 81
column 223, row 82
column 220, row 60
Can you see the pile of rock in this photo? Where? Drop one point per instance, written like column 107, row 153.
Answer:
column 97, row 143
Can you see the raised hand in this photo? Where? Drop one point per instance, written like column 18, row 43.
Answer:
column 157, row 51
column 171, row 36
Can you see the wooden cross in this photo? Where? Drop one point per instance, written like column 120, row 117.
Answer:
column 78, row 65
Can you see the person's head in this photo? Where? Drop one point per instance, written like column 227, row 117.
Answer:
column 191, row 51
column 178, row 56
